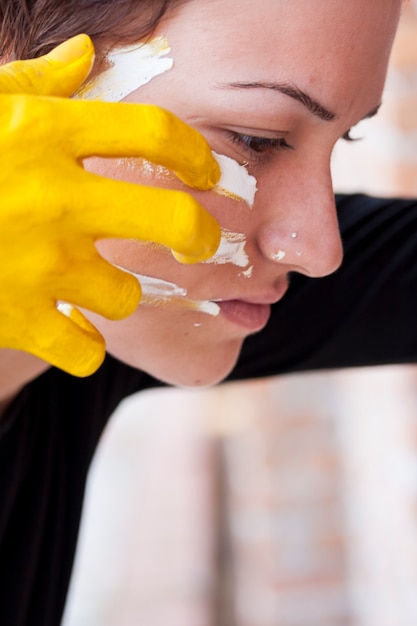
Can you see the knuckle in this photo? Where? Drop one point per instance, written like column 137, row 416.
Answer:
column 186, row 215
column 128, row 296
column 165, row 126
column 26, row 123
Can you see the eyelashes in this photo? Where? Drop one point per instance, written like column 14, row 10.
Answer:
column 260, row 148
column 348, row 137
column 257, row 147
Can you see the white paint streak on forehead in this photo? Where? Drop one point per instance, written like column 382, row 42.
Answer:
column 235, row 180
column 231, row 250
column 129, row 68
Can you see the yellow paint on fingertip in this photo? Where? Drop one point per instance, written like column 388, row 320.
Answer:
column 214, row 173
column 209, row 250
column 207, row 177
column 72, row 50
column 185, row 260
column 76, row 55
column 78, row 318
column 71, row 63
column 84, row 367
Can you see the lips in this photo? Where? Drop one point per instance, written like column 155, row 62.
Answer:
column 250, row 315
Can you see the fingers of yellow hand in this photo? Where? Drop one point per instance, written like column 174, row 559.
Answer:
column 76, row 316
column 73, row 344
column 147, row 131
column 172, row 218
column 58, row 73
column 79, row 129
column 184, row 259
column 65, row 342
column 102, row 288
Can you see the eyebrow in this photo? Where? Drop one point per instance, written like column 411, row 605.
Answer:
column 312, row 105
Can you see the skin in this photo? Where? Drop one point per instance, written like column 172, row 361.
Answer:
column 337, row 53
column 49, row 250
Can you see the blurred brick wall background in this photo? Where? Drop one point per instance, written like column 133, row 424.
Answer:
column 385, row 161
column 289, row 502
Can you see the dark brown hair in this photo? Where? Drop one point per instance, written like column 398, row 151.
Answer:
column 30, row 28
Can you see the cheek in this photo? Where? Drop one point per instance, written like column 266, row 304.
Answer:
column 235, row 218
column 132, row 170
column 231, row 214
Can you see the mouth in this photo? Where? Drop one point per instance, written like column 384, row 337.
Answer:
column 253, row 313
column 249, row 315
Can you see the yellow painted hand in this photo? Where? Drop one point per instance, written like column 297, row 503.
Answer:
column 52, row 210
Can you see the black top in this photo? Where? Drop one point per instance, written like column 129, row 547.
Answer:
column 364, row 314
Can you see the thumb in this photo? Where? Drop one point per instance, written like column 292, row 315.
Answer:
column 58, row 73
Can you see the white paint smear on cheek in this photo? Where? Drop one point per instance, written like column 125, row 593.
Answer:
column 230, row 250
column 129, row 68
column 235, row 181
column 158, row 287
column 247, row 273
column 157, row 292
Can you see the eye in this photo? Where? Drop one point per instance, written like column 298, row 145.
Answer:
column 259, row 145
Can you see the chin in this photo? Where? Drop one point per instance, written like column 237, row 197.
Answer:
column 195, row 369
column 198, row 380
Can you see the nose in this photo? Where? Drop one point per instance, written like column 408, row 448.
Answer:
column 299, row 227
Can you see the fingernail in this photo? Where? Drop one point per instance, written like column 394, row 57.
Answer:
column 185, row 260
column 72, row 50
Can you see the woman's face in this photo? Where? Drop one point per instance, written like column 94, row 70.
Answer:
column 273, row 85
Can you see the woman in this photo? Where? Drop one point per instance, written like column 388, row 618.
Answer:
column 273, row 90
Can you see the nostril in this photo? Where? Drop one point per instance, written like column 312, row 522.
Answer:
column 315, row 255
